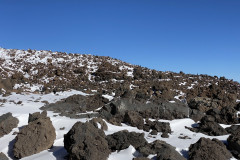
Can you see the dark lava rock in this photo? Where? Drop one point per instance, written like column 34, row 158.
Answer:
column 234, row 129
column 163, row 110
column 84, row 142
column 36, row 116
column 7, row 123
column 153, row 132
column 196, row 115
column 3, row 156
column 209, row 127
column 123, row 139
column 134, row 119
column 163, row 150
column 226, row 115
column 77, row 104
column 37, row 136
column 234, row 144
column 163, row 127
column 96, row 121
column 164, row 135
column 209, row 149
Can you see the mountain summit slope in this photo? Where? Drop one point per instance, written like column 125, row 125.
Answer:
column 141, row 109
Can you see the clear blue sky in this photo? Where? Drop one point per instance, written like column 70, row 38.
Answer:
column 193, row 36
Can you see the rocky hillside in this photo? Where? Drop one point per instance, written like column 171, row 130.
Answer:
column 46, row 71
column 117, row 93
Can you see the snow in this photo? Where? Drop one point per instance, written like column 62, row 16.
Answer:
column 32, row 102
column 108, row 97
column 238, row 100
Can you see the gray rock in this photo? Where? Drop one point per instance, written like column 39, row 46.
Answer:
column 37, row 136
column 84, row 142
column 7, row 123
column 209, row 149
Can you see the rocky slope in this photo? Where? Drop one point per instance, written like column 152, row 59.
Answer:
column 121, row 93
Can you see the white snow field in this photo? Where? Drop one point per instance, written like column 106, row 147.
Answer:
column 32, row 102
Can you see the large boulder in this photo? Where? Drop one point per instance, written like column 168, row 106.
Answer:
column 7, row 123
column 84, row 141
column 163, row 151
column 123, row 139
column 158, row 109
column 209, row 149
column 37, row 136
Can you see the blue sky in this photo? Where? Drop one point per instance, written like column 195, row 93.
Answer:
column 193, row 36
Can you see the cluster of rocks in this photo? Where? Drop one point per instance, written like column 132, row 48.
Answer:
column 86, row 141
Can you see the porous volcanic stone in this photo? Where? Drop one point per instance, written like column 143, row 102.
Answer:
column 123, row 139
column 7, row 123
column 37, row 136
column 84, row 142
column 206, row 148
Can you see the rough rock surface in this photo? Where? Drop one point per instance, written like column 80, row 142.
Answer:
column 123, row 139
column 3, row 156
column 209, row 149
column 7, row 123
column 37, row 136
column 234, row 129
column 75, row 104
column 209, row 127
column 226, row 115
column 37, row 115
column 101, row 122
column 163, row 127
column 134, row 119
column 84, row 142
column 163, row 150
column 234, row 144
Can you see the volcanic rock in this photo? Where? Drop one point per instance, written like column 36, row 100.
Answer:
column 101, row 122
column 123, row 139
column 75, row 104
column 37, row 136
column 7, row 123
column 163, row 150
column 134, row 119
column 234, row 144
column 84, row 142
column 206, row 148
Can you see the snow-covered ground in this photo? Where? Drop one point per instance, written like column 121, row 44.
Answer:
column 32, row 102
